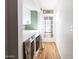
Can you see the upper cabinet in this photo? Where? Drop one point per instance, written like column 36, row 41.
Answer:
column 33, row 22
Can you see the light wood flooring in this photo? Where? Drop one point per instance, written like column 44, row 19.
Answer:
column 49, row 51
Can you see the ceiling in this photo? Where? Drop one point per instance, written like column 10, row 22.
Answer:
column 29, row 4
column 46, row 4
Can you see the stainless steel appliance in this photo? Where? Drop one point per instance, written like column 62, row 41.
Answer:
column 31, row 46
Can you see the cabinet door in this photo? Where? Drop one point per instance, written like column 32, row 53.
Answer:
column 27, row 49
column 34, row 21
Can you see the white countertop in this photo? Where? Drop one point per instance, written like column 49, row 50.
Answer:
column 28, row 33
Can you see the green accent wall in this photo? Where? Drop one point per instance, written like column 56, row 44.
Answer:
column 34, row 21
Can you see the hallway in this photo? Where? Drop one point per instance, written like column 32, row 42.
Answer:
column 49, row 51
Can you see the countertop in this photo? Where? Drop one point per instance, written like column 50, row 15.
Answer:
column 28, row 34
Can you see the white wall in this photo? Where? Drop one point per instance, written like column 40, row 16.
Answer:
column 20, row 27
column 64, row 34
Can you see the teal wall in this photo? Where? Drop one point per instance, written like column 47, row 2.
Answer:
column 34, row 21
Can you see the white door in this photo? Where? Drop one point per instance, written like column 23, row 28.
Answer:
column 48, row 31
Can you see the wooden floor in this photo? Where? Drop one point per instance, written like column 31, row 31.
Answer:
column 49, row 51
